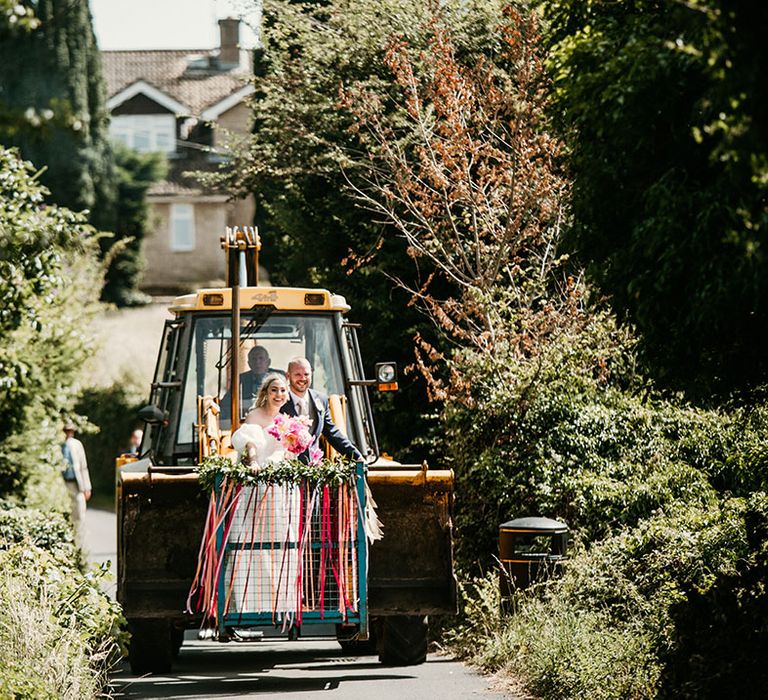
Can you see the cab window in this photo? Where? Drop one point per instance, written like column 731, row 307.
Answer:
column 281, row 338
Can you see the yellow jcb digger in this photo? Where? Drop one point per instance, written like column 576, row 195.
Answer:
column 195, row 404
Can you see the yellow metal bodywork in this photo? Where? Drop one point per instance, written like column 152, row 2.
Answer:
column 213, row 440
column 125, row 458
column 440, row 480
column 432, row 479
column 282, row 298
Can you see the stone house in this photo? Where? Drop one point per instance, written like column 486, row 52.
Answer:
column 188, row 105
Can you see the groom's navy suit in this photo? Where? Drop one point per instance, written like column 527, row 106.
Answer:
column 322, row 424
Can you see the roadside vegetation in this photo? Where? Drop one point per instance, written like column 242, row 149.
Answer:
column 557, row 221
column 54, row 111
column 59, row 632
column 59, row 178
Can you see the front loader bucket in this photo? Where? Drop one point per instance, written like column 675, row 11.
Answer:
column 161, row 516
column 411, row 567
column 160, row 523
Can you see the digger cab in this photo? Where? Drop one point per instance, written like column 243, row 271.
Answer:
column 277, row 325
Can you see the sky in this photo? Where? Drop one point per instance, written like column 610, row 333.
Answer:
column 168, row 24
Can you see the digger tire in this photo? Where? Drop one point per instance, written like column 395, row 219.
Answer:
column 403, row 640
column 150, row 649
column 350, row 644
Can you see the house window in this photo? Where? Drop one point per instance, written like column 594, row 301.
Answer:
column 145, row 132
column 182, row 227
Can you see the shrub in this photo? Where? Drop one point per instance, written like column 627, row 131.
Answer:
column 49, row 283
column 672, row 607
column 593, row 454
column 719, row 627
column 59, row 633
column 111, row 412
column 135, row 174
column 47, row 530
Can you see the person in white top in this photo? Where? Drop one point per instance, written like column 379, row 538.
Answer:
column 134, row 442
column 270, row 399
column 265, row 514
column 76, row 478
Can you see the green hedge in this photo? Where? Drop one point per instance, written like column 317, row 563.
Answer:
column 49, row 285
column 59, row 633
column 596, row 457
column 111, row 413
column 665, row 595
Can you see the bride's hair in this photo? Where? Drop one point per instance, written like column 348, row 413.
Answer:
column 263, row 395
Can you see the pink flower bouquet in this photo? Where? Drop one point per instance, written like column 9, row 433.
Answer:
column 292, row 432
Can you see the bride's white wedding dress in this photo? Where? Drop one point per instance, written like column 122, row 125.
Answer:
column 268, row 449
column 264, row 532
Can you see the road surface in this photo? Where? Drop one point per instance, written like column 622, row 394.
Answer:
column 282, row 669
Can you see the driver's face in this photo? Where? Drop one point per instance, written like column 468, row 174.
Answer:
column 259, row 361
column 300, row 377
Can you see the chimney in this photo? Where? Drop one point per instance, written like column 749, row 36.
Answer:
column 229, row 30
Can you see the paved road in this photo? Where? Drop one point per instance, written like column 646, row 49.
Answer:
column 301, row 669
column 101, row 542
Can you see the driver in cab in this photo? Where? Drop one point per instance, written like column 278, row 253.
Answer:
column 250, row 381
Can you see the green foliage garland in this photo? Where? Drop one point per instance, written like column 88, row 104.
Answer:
column 289, row 471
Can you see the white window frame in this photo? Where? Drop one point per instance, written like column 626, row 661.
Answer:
column 180, row 241
column 159, row 128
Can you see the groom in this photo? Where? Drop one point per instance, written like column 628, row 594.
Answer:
column 305, row 401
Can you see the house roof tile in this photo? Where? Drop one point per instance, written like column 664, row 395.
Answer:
column 167, row 188
column 189, row 76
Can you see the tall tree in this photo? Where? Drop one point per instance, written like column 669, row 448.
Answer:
column 462, row 166
column 470, row 178
column 298, row 164
column 52, row 86
column 135, row 173
column 664, row 107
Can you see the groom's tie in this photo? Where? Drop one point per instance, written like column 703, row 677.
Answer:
column 303, row 410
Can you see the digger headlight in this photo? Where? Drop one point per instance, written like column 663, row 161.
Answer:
column 386, row 376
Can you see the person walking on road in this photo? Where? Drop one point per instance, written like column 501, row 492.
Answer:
column 77, row 479
column 134, row 442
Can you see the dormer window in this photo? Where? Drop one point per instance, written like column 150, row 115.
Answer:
column 145, row 132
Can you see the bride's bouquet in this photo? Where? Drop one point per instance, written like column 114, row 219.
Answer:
column 292, row 432
column 275, row 465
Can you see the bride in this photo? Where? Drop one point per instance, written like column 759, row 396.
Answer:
column 265, row 522
column 273, row 393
